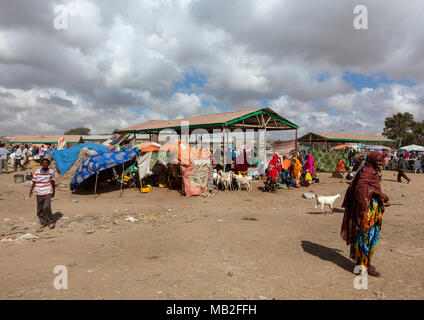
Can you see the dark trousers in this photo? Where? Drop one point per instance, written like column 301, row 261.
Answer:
column 401, row 174
column 44, row 209
column 16, row 163
column 3, row 164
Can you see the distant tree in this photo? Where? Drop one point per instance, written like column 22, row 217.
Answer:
column 399, row 128
column 417, row 133
column 78, row 131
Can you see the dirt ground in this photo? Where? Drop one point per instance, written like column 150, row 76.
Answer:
column 234, row 245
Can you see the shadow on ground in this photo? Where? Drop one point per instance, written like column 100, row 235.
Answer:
column 328, row 254
column 327, row 212
column 57, row 216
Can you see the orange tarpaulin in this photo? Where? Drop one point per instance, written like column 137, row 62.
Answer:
column 182, row 153
column 340, row 147
column 148, row 147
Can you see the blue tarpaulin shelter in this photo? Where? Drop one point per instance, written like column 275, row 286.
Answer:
column 100, row 163
column 64, row 159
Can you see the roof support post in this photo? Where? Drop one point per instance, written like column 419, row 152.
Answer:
column 296, row 142
column 224, row 147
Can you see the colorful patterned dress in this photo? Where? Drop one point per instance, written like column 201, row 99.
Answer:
column 362, row 249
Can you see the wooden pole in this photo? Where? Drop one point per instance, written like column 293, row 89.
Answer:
column 223, row 147
column 310, row 141
column 264, row 126
column 95, row 186
column 296, row 142
column 122, row 180
column 265, row 145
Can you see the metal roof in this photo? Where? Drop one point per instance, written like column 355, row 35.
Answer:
column 244, row 119
column 343, row 137
column 39, row 139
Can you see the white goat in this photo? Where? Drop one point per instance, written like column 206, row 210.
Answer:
column 215, row 177
column 243, row 182
column 225, row 179
column 321, row 200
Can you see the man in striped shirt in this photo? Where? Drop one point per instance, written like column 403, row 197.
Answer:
column 44, row 186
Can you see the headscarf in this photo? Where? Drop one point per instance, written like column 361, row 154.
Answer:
column 297, row 168
column 286, row 164
column 272, row 172
column 309, row 165
column 274, row 160
column 358, row 196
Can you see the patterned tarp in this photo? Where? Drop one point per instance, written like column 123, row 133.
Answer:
column 65, row 158
column 327, row 161
column 100, row 162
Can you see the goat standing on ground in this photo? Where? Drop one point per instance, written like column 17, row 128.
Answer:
column 321, row 200
column 243, row 182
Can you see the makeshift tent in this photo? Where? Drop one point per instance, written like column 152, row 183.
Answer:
column 327, row 161
column 180, row 152
column 194, row 165
column 63, row 181
column 64, row 159
column 100, row 163
column 412, row 147
column 120, row 139
column 148, row 147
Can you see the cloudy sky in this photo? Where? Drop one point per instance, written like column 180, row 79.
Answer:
column 119, row 63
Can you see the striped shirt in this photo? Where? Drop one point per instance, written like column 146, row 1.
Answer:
column 43, row 182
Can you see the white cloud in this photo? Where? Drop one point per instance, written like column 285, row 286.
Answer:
column 119, row 62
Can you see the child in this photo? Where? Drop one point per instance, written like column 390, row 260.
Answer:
column 44, row 185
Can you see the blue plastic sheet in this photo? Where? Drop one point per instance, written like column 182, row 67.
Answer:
column 64, row 159
column 100, row 162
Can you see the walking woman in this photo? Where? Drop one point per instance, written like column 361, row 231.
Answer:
column 364, row 205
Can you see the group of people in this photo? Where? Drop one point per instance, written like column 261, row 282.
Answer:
column 19, row 155
column 290, row 172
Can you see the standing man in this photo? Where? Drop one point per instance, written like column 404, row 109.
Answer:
column 25, row 155
column 44, row 185
column 18, row 158
column 417, row 165
column 41, row 152
column 3, row 158
column 402, row 168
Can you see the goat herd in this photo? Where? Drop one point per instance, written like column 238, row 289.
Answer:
column 227, row 181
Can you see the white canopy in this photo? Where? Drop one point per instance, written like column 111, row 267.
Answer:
column 413, row 147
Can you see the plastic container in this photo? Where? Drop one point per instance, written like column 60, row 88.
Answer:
column 19, row 178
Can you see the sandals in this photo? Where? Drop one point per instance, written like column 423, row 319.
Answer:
column 372, row 271
column 52, row 225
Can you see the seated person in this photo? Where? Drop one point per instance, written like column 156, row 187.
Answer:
column 274, row 167
column 340, row 167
